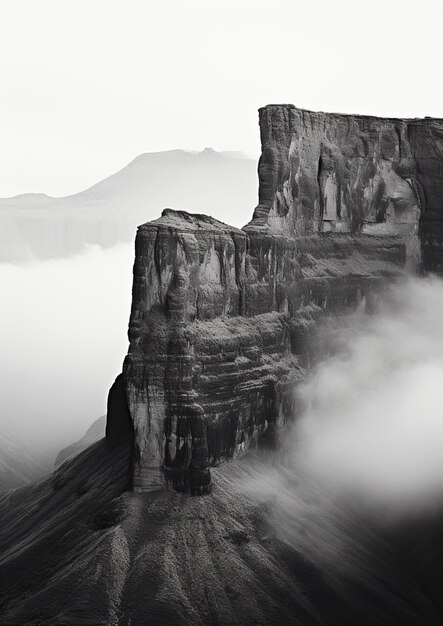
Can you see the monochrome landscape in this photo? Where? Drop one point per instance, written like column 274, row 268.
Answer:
column 220, row 367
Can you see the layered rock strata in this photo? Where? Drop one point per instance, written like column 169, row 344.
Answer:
column 353, row 173
column 221, row 317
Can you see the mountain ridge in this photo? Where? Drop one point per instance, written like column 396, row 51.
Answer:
column 37, row 226
column 234, row 154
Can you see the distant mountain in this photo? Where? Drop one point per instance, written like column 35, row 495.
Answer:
column 95, row 432
column 18, row 466
column 223, row 184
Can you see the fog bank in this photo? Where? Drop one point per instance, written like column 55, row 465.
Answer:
column 63, row 327
column 372, row 423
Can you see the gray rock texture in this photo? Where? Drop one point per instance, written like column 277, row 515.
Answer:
column 221, row 318
column 324, row 172
column 78, row 549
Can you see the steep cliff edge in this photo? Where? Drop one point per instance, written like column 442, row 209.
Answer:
column 221, row 317
column 322, row 172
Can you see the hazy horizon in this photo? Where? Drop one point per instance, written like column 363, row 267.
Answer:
column 64, row 338
column 236, row 154
column 86, row 86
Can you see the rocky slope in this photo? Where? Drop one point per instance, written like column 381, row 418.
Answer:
column 264, row 548
column 94, row 433
column 18, row 464
column 221, row 317
column 36, row 226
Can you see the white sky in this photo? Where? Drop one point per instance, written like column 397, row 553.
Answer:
column 86, row 85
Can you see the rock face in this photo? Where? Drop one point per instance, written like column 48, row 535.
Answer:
column 221, row 317
column 329, row 172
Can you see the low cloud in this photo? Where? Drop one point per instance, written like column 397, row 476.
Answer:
column 63, row 337
column 372, row 424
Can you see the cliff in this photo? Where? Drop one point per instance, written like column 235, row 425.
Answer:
column 221, row 318
column 322, row 172
column 221, row 328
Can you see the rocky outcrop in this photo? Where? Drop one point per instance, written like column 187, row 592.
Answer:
column 323, row 172
column 221, row 318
